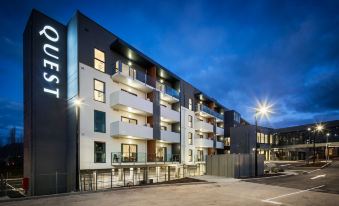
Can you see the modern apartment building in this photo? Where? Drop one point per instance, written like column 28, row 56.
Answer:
column 99, row 113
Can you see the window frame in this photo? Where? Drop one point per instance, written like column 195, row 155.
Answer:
column 190, row 138
column 104, row 121
column 104, row 62
column 95, row 152
column 129, row 120
column 104, row 92
column 190, row 121
column 129, row 152
column 190, row 155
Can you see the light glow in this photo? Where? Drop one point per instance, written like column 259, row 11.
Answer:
column 319, row 127
column 77, row 102
column 263, row 109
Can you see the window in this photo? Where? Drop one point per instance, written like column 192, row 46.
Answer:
column 190, row 138
column 129, row 152
column 200, row 155
column 99, row 152
column 129, row 120
column 129, row 92
column 190, row 155
column 99, row 60
column 164, row 128
column 99, row 90
column 190, row 121
column 201, row 136
column 190, row 104
column 99, row 121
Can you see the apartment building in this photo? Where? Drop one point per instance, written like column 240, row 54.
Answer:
column 99, row 113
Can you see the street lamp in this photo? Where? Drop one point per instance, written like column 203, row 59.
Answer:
column 327, row 135
column 77, row 103
column 318, row 128
column 263, row 110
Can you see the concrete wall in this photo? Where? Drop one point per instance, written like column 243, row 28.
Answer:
column 233, row 165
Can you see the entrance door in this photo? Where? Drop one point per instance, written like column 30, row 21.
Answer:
column 129, row 152
column 162, row 154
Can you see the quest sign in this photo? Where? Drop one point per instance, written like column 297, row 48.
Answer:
column 46, row 142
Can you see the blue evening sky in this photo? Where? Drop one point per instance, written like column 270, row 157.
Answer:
column 237, row 51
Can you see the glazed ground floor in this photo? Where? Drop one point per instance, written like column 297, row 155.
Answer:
column 321, row 153
column 91, row 180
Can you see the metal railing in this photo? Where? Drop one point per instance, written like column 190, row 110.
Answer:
column 124, row 69
column 143, row 158
column 168, row 90
column 203, row 108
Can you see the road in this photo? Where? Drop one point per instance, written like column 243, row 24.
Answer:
column 292, row 190
column 328, row 177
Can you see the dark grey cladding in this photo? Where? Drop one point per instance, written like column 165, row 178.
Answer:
column 45, row 94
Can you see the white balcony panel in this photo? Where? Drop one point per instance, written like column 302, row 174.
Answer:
column 170, row 137
column 122, row 129
column 124, row 101
column 169, row 115
column 203, row 126
column 219, row 131
column 219, row 145
column 168, row 98
column 202, row 142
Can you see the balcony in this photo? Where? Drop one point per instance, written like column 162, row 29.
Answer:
column 126, row 158
column 219, row 145
column 123, row 129
column 219, row 131
column 132, row 77
column 125, row 101
column 203, row 142
column 207, row 112
column 170, row 137
column 203, row 126
column 169, row 115
column 167, row 93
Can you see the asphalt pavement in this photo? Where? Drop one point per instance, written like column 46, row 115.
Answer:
column 324, row 180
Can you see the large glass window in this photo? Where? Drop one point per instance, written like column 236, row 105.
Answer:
column 190, row 138
column 99, row 121
column 200, row 155
column 129, row 152
column 99, row 60
column 190, row 155
column 99, row 152
column 99, row 90
column 190, row 121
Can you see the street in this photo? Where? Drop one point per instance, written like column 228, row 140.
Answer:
column 328, row 177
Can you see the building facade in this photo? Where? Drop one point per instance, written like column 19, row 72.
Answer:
column 99, row 113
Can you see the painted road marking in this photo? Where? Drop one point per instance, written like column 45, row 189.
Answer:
column 316, row 177
column 285, row 165
column 293, row 193
column 313, row 171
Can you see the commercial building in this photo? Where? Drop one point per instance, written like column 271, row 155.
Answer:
column 303, row 142
column 99, row 113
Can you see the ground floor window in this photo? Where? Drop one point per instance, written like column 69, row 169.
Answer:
column 99, row 152
column 129, row 152
column 190, row 155
column 200, row 155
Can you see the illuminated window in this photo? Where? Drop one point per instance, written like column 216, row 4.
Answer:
column 99, row 90
column 190, row 155
column 99, row 60
column 99, row 152
column 190, row 138
column 190, row 121
column 190, row 104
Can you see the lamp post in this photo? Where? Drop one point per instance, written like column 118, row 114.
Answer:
column 327, row 135
column 263, row 109
column 77, row 104
column 319, row 128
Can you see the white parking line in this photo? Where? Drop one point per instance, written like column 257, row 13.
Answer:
column 313, row 171
column 285, row 165
column 316, row 177
column 293, row 193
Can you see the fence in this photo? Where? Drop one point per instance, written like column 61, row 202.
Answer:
column 120, row 177
column 233, row 165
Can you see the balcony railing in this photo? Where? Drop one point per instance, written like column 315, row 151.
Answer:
column 203, row 108
column 168, row 90
column 131, row 158
column 126, row 70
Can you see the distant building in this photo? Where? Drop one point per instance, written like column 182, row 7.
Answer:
column 12, row 136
